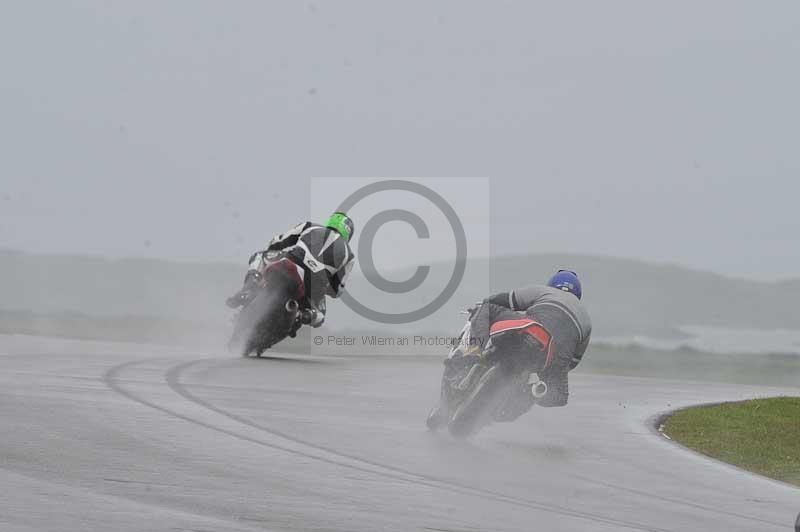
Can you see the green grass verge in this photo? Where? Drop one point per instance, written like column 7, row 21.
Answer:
column 762, row 435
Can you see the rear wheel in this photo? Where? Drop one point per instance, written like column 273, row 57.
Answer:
column 477, row 409
column 262, row 323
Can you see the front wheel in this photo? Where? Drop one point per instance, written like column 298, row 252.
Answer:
column 477, row 410
column 437, row 418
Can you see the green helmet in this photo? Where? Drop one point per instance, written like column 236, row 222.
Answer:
column 341, row 223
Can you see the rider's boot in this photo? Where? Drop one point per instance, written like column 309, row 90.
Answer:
column 307, row 316
column 247, row 292
column 295, row 327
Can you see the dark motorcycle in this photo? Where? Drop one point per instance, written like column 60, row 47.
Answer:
column 272, row 308
column 481, row 386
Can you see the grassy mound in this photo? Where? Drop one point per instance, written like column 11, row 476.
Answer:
column 762, row 435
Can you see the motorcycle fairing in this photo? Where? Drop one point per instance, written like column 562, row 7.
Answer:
column 293, row 271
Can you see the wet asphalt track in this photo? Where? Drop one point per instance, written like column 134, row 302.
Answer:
column 124, row 437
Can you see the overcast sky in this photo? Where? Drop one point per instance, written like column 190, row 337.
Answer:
column 190, row 130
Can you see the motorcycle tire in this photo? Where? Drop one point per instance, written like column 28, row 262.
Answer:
column 477, row 410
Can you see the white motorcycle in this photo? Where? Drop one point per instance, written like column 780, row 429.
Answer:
column 480, row 384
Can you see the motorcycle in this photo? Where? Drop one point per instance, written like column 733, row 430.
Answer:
column 273, row 307
column 480, row 385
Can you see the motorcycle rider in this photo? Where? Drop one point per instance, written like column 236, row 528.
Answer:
column 324, row 254
column 558, row 308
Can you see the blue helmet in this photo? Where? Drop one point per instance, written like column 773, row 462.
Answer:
column 567, row 281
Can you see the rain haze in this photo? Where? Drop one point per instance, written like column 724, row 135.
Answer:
column 150, row 148
column 190, row 130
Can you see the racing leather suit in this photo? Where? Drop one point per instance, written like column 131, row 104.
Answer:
column 567, row 321
column 326, row 259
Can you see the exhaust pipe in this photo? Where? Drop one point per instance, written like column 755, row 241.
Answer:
column 292, row 306
column 539, row 389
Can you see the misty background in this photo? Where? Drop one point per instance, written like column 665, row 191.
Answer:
column 610, row 134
